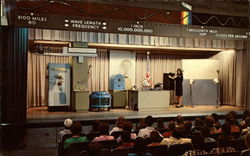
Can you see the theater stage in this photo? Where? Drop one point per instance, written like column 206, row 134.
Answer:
column 40, row 115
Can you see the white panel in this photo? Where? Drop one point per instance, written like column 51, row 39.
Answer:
column 116, row 57
column 81, row 50
column 200, row 68
column 78, row 36
column 57, row 35
column 131, row 39
column 106, row 38
column 152, row 40
column 84, row 37
column 138, row 39
column 46, row 34
column 122, row 38
column 145, row 40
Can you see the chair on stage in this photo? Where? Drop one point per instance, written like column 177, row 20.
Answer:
column 179, row 149
column 121, row 152
column 109, row 144
column 117, row 134
column 160, row 150
column 237, row 153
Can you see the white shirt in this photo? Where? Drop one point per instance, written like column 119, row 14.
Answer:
column 145, row 132
column 115, row 129
column 174, row 141
column 62, row 133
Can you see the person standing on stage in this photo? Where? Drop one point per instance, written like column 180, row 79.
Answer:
column 178, row 86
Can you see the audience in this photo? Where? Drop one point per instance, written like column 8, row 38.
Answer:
column 223, row 147
column 179, row 121
column 119, row 124
column 160, row 125
column 155, row 139
column 226, row 132
column 246, row 114
column 198, row 146
column 145, row 132
column 141, row 125
column 210, row 123
column 140, row 148
column 198, row 124
column 246, row 127
column 229, row 118
column 125, row 140
column 205, row 131
column 96, row 126
column 247, row 143
column 216, row 120
column 67, row 124
column 104, row 130
column 175, row 138
column 171, row 127
column 188, row 130
column 76, row 130
column 127, row 126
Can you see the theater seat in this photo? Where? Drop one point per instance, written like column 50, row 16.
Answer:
column 75, row 148
column 109, row 144
column 179, row 149
column 237, row 144
column 104, row 152
column 208, row 146
column 207, row 155
column 121, row 152
column 237, row 153
column 160, row 150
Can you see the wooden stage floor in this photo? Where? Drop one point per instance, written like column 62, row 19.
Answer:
column 41, row 115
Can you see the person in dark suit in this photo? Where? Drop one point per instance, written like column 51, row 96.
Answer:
column 178, row 86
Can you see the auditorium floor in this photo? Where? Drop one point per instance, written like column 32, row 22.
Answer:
column 40, row 114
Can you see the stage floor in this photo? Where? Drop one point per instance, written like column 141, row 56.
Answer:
column 40, row 114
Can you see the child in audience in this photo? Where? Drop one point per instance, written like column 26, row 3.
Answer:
column 119, row 124
column 145, row 132
column 171, row 127
column 198, row 124
column 104, row 129
column 247, row 143
column 205, row 134
column 175, row 138
column 67, row 124
column 209, row 122
column 76, row 130
column 179, row 121
column 155, row 139
column 139, row 148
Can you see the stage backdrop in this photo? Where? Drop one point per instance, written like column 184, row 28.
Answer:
column 122, row 62
column 203, row 91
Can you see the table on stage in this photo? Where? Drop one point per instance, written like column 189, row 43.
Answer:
column 148, row 99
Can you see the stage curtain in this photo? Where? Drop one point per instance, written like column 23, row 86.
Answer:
column 99, row 71
column 37, row 81
column 159, row 64
column 233, row 77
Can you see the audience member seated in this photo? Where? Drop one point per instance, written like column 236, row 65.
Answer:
column 205, row 134
column 67, row 124
column 223, row 147
column 104, row 129
column 210, row 123
column 171, row 127
column 119, row 124
column 226, row 132
column 145, row 132
column 179, row 121
column 216, row 120
column 187, row 133
column 244, row 116
column 155, row 139
column 96, row 126
column 198, row 124
column 127, row 126
column 140, row 148
column 247, row 143
column 140, row 126
column 198, row 146
column 94, row 149
column 125, row 140
column 175, row 138
column 76, row 130
column 160, row 125
column 233, row 123
column 246, row 126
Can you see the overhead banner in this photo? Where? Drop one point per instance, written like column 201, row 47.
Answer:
column 102, row 25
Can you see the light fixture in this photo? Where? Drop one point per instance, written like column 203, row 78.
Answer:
column 216, row 81
column 191, row 82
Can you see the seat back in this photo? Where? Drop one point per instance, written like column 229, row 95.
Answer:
column 237, row 144
column 208, row 146
column 104, row 152
column 117, row 134
column 246, row 153
column 160, row 150
column 179, row 149
column 215, row 136
column 92, row 135
column 121, row 152
column 60, row 148
column 109, row 144
column 75, row 148
column 237, row 153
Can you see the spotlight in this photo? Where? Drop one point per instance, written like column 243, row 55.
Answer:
column 216, row 81
column 191, row 82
